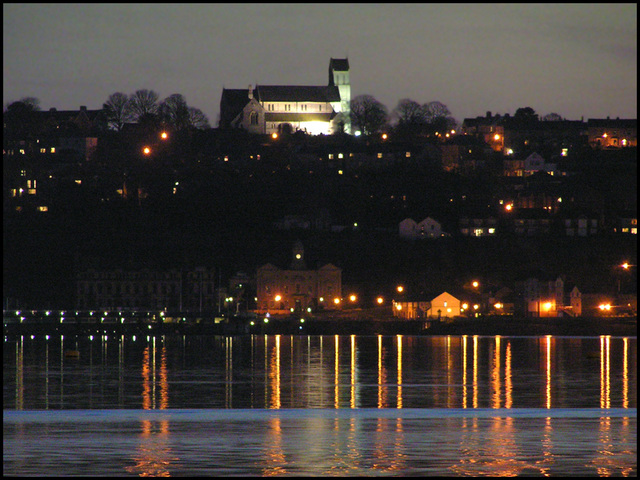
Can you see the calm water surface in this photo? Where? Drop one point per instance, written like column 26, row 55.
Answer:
column 320, row 405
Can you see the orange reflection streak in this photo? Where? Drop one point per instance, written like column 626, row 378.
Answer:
column 547, row 448
column 605, row 372
column 274, row 456
column 450, row 389
column 475, row 371
column 495, row 375
column 548, row 369
column 153, row 453
column 625, row 373
column 146, row 390
column 164, row 379
column 352, row 396
column 274, row 375
column 336, row 394
column 464, row 371
column 508, row 385
column 399, row 399
column 382, row 376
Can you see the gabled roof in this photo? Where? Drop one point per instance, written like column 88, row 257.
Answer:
column 288, row 93
column 612, row 123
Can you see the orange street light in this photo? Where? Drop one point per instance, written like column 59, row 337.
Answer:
column 274, row 135
column 164, row 135
column 400, row 289
column 146, row 151
column 380, row 300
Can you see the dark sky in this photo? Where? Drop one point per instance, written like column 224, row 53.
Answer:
column 578, row 60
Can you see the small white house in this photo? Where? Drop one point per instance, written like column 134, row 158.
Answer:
column 444, row 305
column 427, row 228
column 441, row 307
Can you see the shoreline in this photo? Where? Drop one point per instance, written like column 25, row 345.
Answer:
column 339, row 325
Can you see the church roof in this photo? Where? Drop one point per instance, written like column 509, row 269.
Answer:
column 290, row 93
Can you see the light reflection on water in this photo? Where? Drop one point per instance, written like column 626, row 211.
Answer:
column 321, row 405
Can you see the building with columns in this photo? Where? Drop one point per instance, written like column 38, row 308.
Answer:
column 297, row 288
column 268, row 109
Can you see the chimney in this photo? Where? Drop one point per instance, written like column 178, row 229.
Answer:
column 250, row 92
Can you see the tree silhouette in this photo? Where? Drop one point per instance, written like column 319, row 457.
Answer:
column 368, row 114
column 118, row 110
column 143, row 103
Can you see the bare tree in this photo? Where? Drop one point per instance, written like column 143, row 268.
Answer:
column 435, row 110
column 144, row 103
column 117, row 109
column 175, row 111
column 552, row 117
column 368, row 114
column 438, row 116
column 409, row 112
column 198, row 119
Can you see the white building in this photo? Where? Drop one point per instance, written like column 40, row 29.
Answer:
column 268, row 109
column 428, row 228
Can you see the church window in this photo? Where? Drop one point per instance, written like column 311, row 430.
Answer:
column 253, row 118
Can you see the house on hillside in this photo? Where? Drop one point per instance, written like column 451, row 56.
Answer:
column 409, row 229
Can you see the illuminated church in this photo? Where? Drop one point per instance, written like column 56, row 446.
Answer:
column 268, row 109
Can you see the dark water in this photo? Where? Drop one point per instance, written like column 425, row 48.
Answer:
column 321, row 405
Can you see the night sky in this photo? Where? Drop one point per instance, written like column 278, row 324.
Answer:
column 577, row 60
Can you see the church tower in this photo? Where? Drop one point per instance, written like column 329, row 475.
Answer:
column 339, row 77
column 297, row 257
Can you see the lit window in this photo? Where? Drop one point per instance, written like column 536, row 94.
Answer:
column 408, row 154
column 43, row 208
column 53, row 149
column 379, row 155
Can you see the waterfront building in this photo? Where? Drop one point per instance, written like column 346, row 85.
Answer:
column 298, row 288
column 275, row 109
column 172, row 290
column 442, row 306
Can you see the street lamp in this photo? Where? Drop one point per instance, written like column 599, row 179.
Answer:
column 146, row 151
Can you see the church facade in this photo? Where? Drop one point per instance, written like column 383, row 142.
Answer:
column 297, row 288
column 269, row 109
